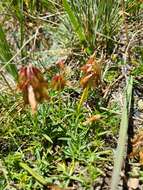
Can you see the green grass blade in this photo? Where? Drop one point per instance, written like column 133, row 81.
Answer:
column 121, row 148
column 34, row 174
column 75, row 24
column 17, row 10
column 5, row 54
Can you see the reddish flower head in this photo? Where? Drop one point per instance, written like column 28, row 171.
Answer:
column 92, row 73
column 58, row 82
column 32, row 85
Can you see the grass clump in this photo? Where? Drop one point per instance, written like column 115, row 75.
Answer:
column 94, row 21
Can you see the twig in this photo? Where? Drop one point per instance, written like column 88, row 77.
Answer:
column 111, row 111
column 42, row 19
column 131, row 40
column 7, row 83
column 111, row 85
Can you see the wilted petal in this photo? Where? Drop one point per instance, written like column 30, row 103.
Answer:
column 87, row 68
column 92, row 119
column 92, row 73
column 33, row 86
column 32, row 99
column 141, row 157
column 86, row 80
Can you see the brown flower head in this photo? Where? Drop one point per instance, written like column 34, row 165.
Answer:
column 92, row 73
column 58, row 82
column 33, row 86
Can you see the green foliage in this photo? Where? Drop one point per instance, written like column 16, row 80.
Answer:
column 76, row 25
column 56, row 144
column 39, row 178
column 94, row 20
column 138, row 70
column 133, row 7
column 6, row 55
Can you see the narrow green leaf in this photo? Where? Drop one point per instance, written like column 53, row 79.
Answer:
column 47, row 138
column 121, row 148
column 6, row 55
column 75, row 24
column 39, row 178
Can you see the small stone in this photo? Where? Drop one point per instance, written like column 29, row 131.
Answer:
column 133, row 183
column 140, row 105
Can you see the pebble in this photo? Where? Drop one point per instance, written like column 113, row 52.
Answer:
column 140, row 105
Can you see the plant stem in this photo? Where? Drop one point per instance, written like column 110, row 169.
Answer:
column 83, row 98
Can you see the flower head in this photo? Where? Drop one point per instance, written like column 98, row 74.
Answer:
column 58, row 82
column 92, row 73
column 33, row 86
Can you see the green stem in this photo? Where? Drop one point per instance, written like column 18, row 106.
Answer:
column 35, row 121
column 60, row 100
column 83, row 98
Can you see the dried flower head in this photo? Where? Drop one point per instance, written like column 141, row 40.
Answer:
column 92, row 73
column 33, row 86
column 58, row 82
column 137, row 146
